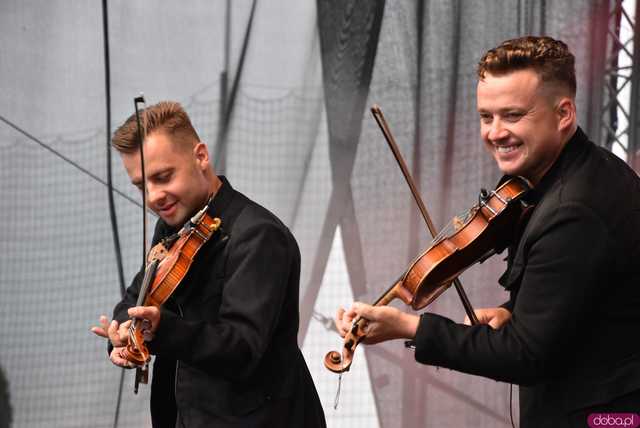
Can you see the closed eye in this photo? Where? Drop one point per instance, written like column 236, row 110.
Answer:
column 486, row 117
column 163, row 178
column 513, row 116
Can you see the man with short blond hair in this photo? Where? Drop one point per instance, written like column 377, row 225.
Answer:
column 225, row 342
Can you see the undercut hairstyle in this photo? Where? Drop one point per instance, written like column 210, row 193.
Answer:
column 167, row 116
column 549, row 58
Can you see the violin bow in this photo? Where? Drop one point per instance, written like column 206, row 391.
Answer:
column 384, row 127
column 142, row 373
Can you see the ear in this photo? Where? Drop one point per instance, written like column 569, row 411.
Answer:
column 201, row 154
column 566, row 113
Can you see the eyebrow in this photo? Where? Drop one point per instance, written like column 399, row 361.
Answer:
column 138, row 183
column 504, row 109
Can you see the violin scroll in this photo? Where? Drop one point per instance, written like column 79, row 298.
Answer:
column 341, row 362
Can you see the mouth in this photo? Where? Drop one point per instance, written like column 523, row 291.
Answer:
column 167, row 210
column 506, row 149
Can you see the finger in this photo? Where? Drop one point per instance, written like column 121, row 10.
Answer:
column 136, row 312
column 339, row 322
column 104, row 322
column 123, row 332
column 355, row 310
column 483, row 316
column 365, row 311
column 350, row 313
column 147, row 312
column 150, row 313
column 117, row 358
column 99, row 331
column 365, row 327
column 114, row 335
column 467, row 321
column 345, row 321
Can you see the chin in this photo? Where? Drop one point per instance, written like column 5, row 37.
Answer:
column 510, row 168
column 173, row 220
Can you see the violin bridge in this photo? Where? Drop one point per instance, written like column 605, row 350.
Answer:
column 457, row 222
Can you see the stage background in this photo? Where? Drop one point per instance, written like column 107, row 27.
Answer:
column 297, row 137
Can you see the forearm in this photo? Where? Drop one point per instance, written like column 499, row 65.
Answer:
column 558, row 286
column 224, row 349
column 479, row 350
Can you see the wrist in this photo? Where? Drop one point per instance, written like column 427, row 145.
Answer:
column 411, row 326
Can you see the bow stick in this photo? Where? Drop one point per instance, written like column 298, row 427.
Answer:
column 382, row 123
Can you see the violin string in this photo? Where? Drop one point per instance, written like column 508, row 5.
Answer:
column 450, row 228
column 336, row 400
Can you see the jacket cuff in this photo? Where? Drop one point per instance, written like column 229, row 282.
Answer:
column 508, row 305
column 428, row 350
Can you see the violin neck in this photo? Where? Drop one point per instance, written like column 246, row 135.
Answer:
column 149, row 275
column 392, row 293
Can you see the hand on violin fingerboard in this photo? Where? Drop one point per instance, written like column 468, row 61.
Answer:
column 150, row 316
column 382, row 322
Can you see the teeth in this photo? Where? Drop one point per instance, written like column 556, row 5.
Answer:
column 505, row 149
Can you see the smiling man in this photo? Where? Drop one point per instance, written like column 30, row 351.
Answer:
column 568, row 334
column 225, row 343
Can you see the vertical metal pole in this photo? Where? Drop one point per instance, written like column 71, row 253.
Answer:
column 634, row 111
column 224, row 78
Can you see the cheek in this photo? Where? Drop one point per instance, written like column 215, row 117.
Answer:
column 484, row 131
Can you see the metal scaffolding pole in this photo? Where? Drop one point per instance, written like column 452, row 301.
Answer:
column 634, row 110
column 620, row 112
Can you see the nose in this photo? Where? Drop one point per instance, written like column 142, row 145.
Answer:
column 155, row 194
column 497, row 131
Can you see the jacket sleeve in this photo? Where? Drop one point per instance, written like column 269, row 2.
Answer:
column 258, row 267
column 565, row 264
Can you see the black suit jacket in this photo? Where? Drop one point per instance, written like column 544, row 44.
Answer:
column 226, row 346
column 574, row 279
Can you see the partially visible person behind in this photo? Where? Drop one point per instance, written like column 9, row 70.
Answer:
column 225, row 343
column 568, row 334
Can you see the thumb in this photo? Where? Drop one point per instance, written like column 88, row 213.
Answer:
column 466, row 321
column 494, row 323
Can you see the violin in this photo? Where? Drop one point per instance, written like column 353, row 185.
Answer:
column 478, row 235
column 485, row 229
column 167, row 264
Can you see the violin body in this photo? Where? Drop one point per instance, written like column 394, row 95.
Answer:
column 487, row 226
column 166, row 267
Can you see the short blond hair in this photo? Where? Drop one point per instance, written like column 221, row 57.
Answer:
column 166, row 116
